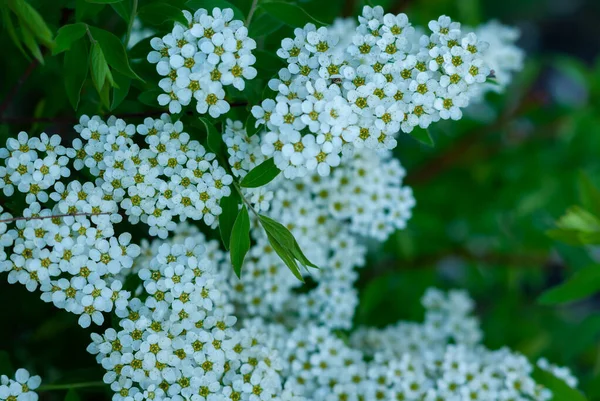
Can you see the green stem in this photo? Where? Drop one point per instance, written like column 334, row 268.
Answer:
column 251, row 12
column 130, row 26
column 50, row 387
column 244, row 200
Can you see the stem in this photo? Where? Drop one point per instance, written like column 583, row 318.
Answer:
column 251, row 12
column 130, row 25
column 50, row 387
column 239, row 189
column 51, row 217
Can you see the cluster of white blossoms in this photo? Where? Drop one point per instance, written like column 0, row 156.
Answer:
column 561, row 372
column 172, row 176
column 334, row 97
column 411, row 361
column 178, row 341
column 199, row 60
column 363, row 197
column 65, row 242
column 21, row 388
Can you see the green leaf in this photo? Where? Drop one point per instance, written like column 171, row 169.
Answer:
column 103, row 1
column 214, row 138
column 229, row 206
column 120, row 92
column 29, row 17
column 158, row 13
column 210, row 4
column 72, row 396
column 114, row 51
column 98, row 67
column 584, row 283
column 423, row 136
column 75, row 68
column 31, row 44
column 261, row 175
column 264, row 25
column 589, row 194
column 6, row 367
column 8, row 24
column 67, row 35
column 240, row 240
column 280, row 233
column 560, row 390
column 285, row 255
column 290, row 14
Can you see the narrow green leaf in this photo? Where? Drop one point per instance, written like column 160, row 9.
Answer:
column 589, row 194
column 584, row 283
column 29, row 17
column 6, row 367
column 423, row 136
column 72, row 396
column 31, row 44
column 240, row 240
column 158, row 13
column 75, row 68
column 210, row 4
column 261, row 175
column 66, row 35
column 98, row 66
column 8, row 24
column 560, row 390
column 290, row 14
column 114, row 51
column 120, row 92
column 230, row 207
column 285, row 238
column 285, row 256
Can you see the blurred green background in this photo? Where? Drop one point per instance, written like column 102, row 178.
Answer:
column 488, row 191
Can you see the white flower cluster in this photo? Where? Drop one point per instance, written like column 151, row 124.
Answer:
column 333, row 97
column 179, row 343
column 199, row 60
column 65, row 242
column 317, row 365
column 362, row 197
column 22, row 388
column 173, row 176
column 502, row 56
column 70, row 249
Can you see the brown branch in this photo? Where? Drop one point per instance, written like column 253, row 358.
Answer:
column 52, row 217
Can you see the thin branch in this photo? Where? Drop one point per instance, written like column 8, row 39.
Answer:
column 53, row 216
column 131, row 20
column 251, row 12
